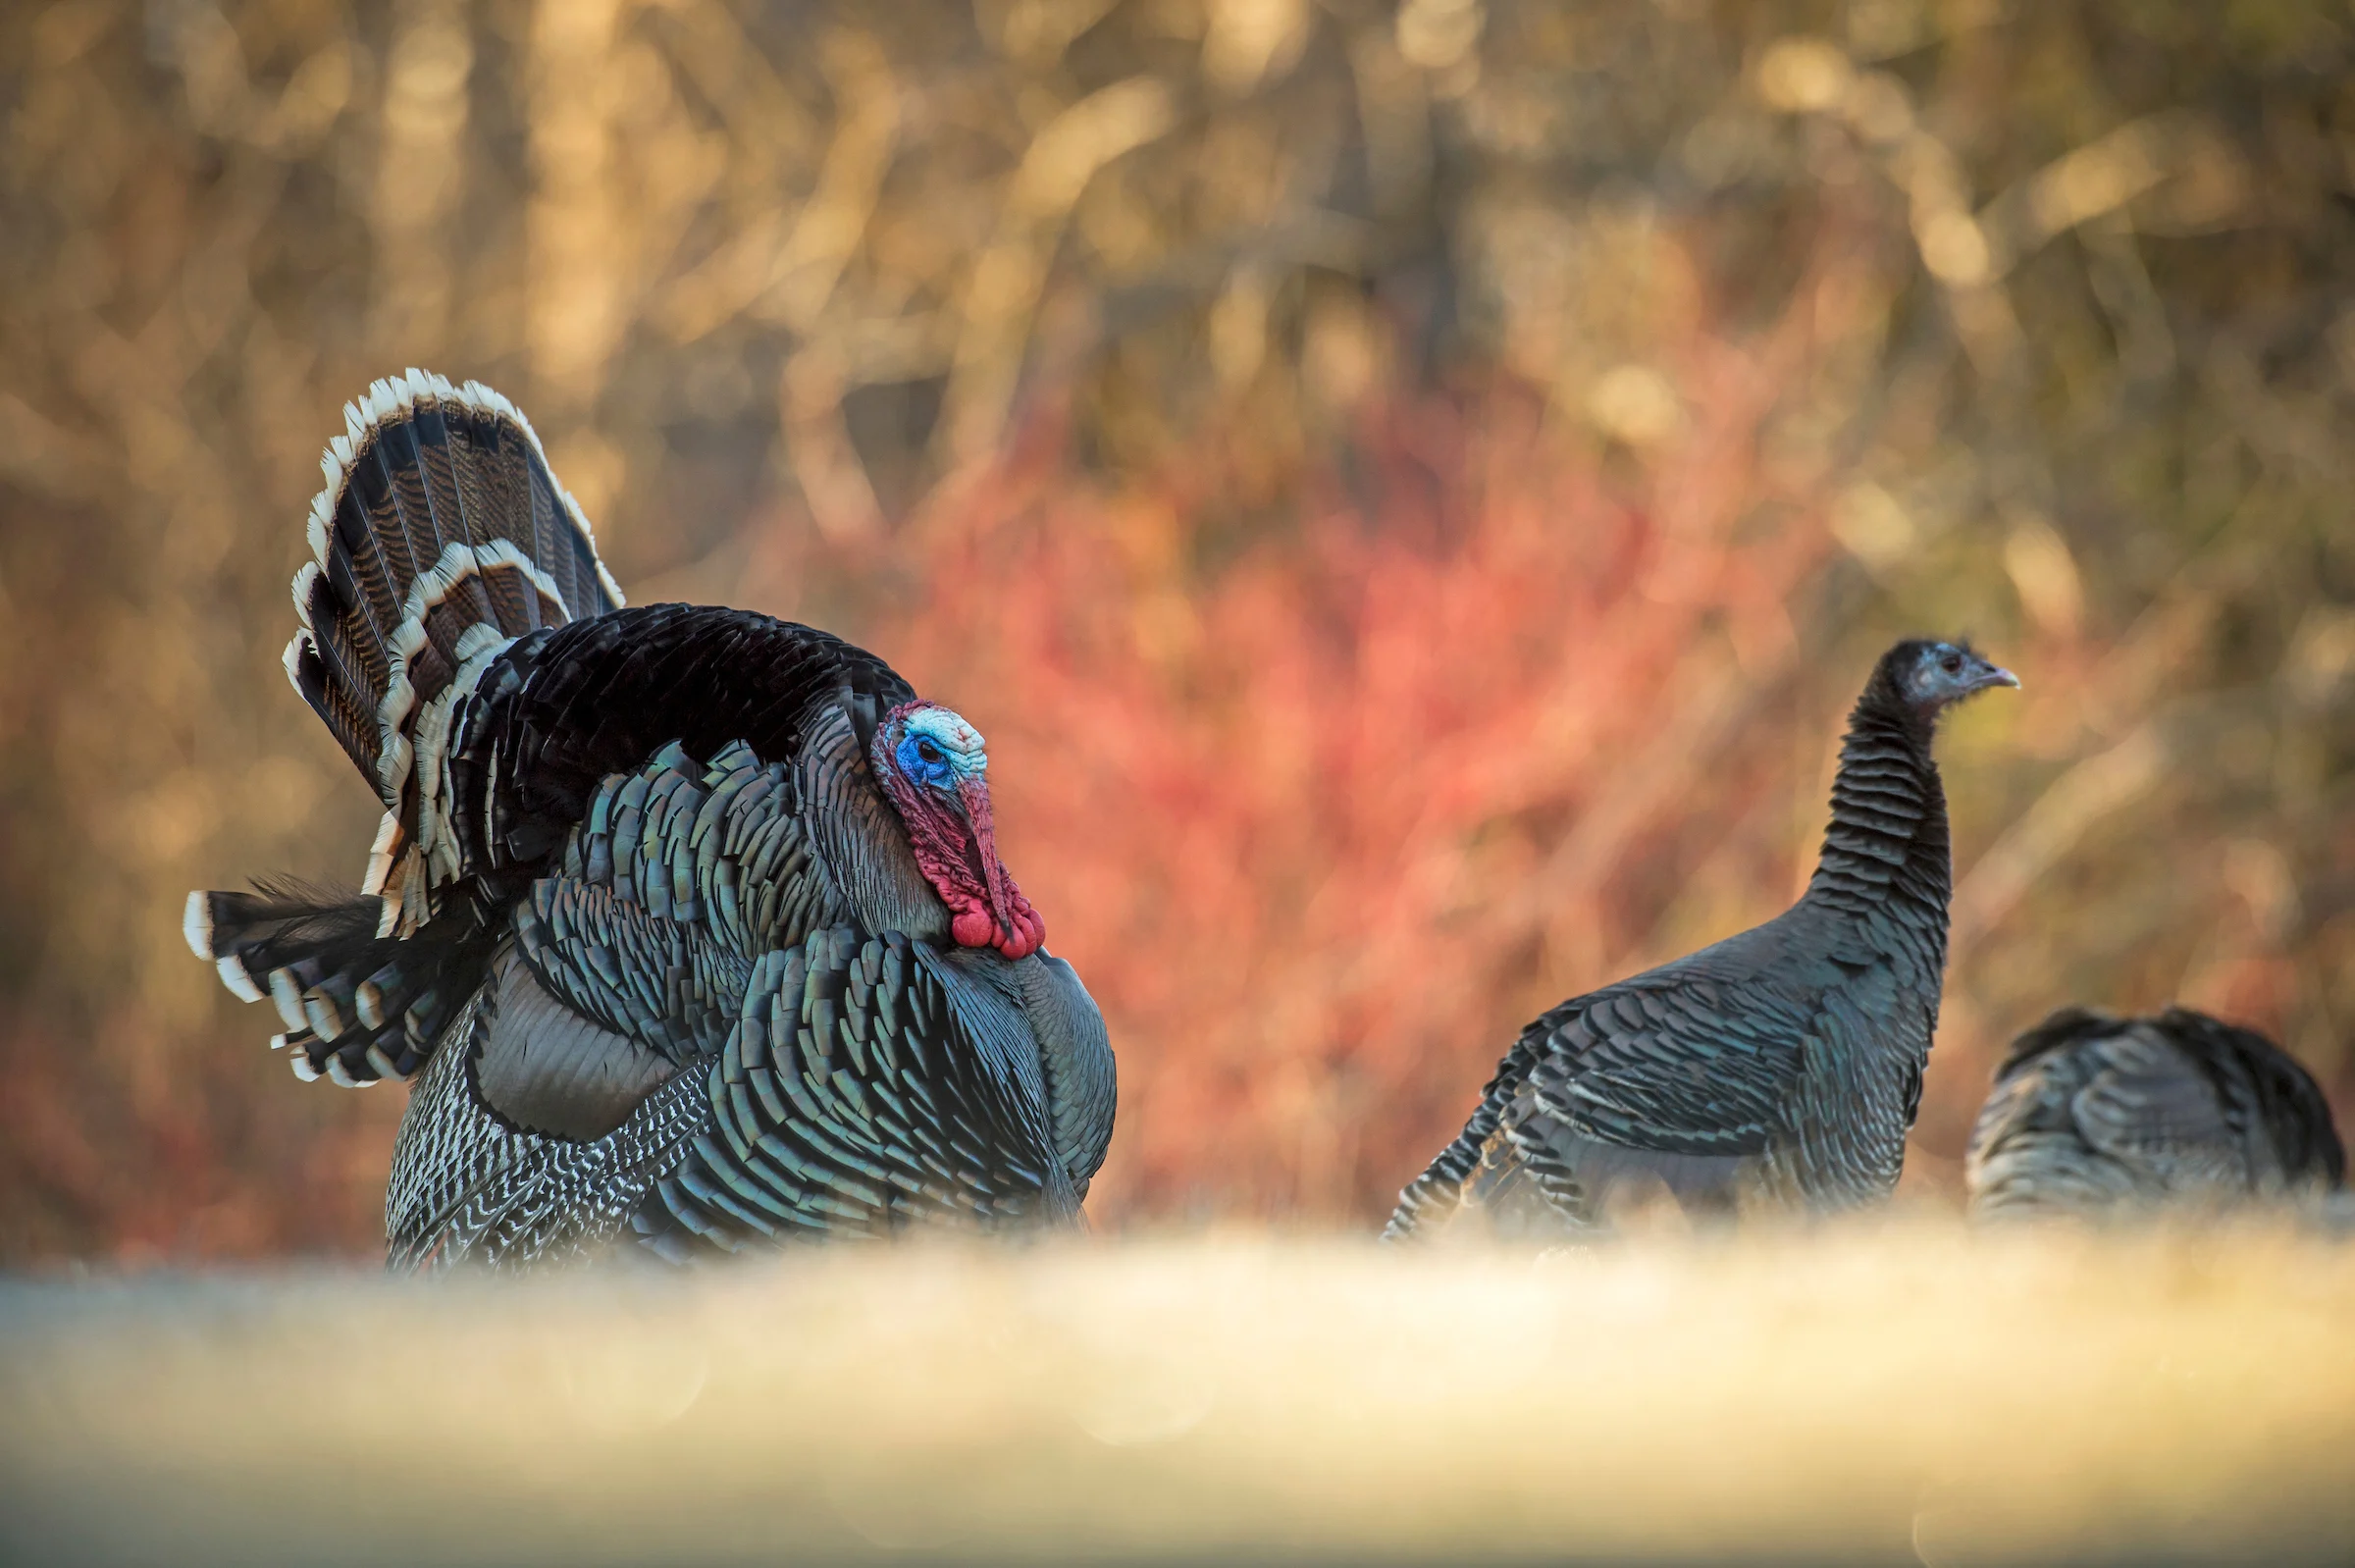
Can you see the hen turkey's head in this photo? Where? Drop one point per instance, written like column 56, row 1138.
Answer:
column 935, row 769
column 1928, row 677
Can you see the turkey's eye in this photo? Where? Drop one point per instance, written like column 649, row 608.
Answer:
column 1951, row 663
column 927, row 751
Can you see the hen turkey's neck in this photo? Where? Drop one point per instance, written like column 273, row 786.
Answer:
column 1886, row 849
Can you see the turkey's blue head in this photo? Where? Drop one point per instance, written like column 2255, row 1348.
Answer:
column 935, row 770
column 1928, row 677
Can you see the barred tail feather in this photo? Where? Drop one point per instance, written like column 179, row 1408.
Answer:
column 440, row 538
column 440, row 535
column 1432, row 1197
column 357, row 1007
column 1429, row 1199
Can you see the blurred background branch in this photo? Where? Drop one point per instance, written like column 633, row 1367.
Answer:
column 1408, row 489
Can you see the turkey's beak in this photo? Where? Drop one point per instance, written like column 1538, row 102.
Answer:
column 1991, row 675
column 1015, row 939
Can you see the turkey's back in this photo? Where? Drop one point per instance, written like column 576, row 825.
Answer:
column 2093, row 1115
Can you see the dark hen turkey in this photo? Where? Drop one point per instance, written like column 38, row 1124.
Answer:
column 688, row 923
column 2093, row 1115
column 1782, row 1065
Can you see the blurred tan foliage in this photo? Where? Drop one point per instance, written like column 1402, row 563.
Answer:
column 1409, row 491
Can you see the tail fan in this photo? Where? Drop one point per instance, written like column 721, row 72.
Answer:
column 440, row 539
column 357, row 1007
column 442, row 536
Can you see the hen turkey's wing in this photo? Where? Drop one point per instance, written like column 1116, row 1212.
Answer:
column 1664, row 1084
column 1681, row 1065
column 853, row 1099
column 1671, row 1074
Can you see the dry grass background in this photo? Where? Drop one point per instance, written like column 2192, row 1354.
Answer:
column 1408, row 491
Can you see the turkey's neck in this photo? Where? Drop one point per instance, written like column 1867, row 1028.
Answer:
column 1886, row 849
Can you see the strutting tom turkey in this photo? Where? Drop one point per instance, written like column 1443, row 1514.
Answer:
column 688, row 924
column 1782, row 1065
column 2095, row 1114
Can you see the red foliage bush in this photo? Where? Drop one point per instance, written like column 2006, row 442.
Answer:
column 1321, row 824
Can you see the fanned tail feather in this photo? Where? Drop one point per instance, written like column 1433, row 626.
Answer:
column 357, row 1007
column 442, row 536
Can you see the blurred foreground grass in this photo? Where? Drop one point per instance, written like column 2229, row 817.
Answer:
column 1890, row 1391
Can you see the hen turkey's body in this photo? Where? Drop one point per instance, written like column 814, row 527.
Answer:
column 1781, row 1066
column 644, row 922
column 2096, row 1115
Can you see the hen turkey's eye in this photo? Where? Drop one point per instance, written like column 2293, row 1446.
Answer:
column 1951, row 663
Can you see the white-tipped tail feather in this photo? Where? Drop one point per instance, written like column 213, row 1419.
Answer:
column 196, row 925
column 397, row 398
column 287, row 997
column 440, row 537
column 232, row 975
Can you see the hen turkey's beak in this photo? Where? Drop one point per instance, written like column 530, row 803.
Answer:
column 973, row 795
column 1991, row 675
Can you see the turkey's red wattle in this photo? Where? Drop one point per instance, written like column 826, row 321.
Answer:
column 955, row 845
column 1015, row 929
